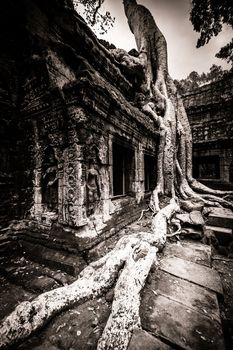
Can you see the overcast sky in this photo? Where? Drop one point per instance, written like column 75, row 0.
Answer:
column 172, row 17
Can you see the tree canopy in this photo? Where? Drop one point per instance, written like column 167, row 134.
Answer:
column 195, row 80
column 94, row 14
column 208, row 18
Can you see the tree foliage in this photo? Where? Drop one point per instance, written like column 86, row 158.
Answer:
column 195, row 80
column 94, row 15
column 208, row 18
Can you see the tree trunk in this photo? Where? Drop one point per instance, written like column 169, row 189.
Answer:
column 174, row 162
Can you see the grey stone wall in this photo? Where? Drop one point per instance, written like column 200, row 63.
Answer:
column 209, row 109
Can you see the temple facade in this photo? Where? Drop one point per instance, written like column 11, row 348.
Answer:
column 209, row 109
column 78, row 156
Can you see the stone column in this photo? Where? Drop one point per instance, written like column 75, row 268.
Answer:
column 105, row 170
column 74, row 187
column 36, row 210
column 139, row 173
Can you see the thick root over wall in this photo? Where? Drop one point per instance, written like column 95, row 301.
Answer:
column 164, row 105
column 129, row 263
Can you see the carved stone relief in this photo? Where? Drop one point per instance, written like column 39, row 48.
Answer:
column 74, row 192
column 49, row 181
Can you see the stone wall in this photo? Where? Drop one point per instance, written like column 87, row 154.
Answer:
column 209, row 109
column 15, row 173
column 68, row 119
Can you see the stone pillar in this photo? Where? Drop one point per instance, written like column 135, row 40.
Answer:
column 139, row 173
column 105, row 156
column 74, row 187
column 37, row 209
column 225, row 164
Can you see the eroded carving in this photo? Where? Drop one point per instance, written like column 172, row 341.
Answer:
column 49, row 184
column 93, row 188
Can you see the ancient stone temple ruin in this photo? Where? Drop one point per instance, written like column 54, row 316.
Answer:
column 210, row 113
column 76, row 154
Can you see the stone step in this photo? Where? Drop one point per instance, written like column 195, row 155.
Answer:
column 224, row 235
column 192, row 251
column 55, row 259
column 11, row 295
column 32, row 276
column 186, row 293
column 220, row 219
column 143, row 340
column 179, row 325
column 7, row 248
column 192, row 272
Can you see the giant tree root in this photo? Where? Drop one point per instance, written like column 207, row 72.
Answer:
column 199, row 187
column 125, row 317
column 135, row 254
column 218, row 200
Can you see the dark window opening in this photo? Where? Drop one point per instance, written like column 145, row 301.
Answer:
column 50, row 180
column 206, row 167
column 231, row 172
column 123, row 170
column 149, row 172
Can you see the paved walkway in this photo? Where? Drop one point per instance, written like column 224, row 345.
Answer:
column 179, row 307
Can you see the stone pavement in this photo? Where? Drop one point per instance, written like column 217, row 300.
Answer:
column 179, row 306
